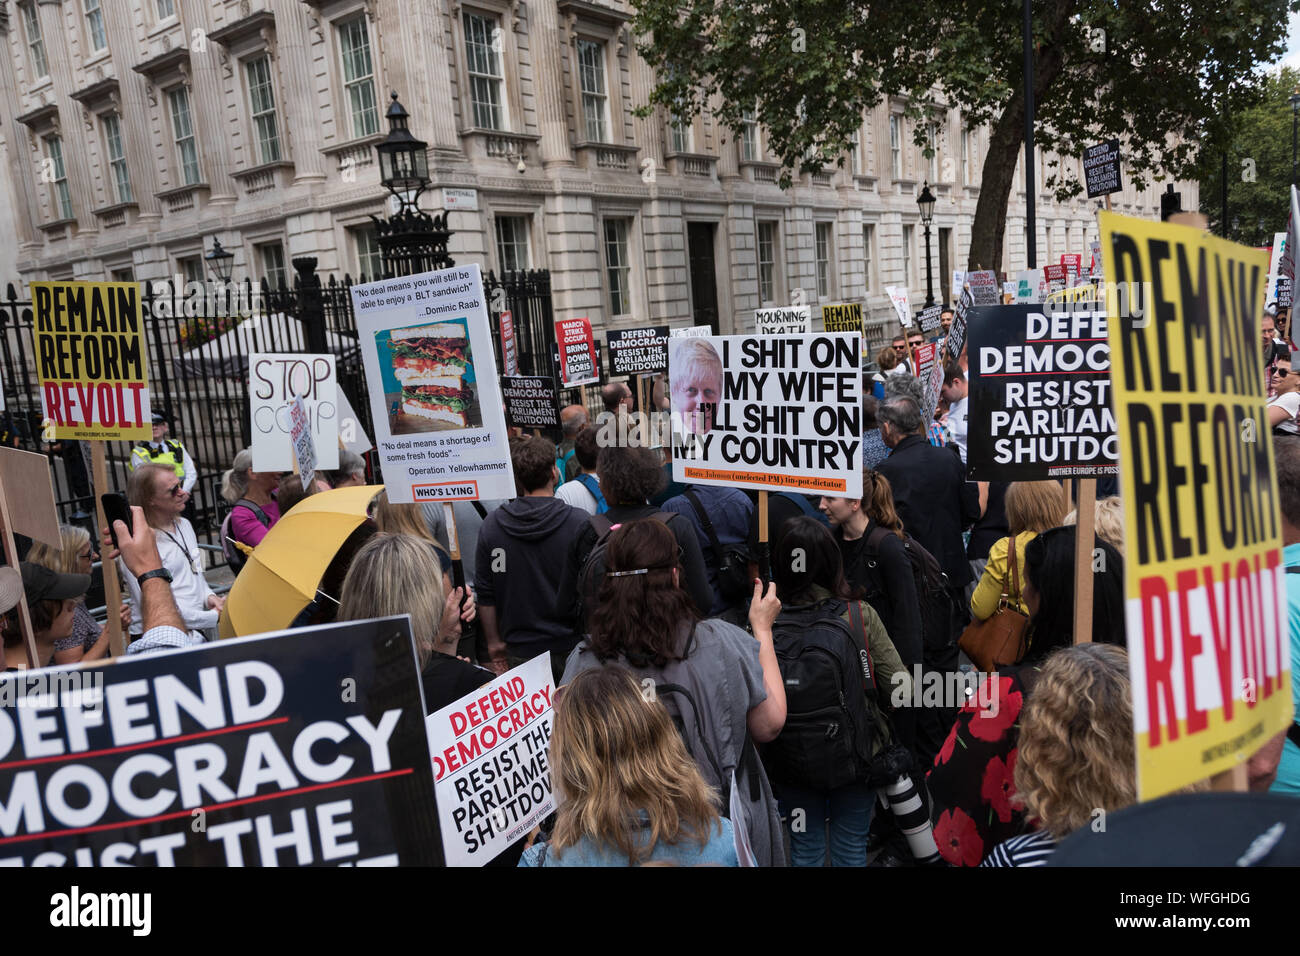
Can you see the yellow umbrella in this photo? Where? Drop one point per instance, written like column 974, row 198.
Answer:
column 286, row 567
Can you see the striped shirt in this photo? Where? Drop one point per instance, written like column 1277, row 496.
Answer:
column 1028, row 849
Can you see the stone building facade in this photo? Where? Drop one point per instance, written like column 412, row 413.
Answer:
column 137, row 131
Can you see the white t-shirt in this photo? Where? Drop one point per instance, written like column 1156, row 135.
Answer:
column 957, row 425
column 1291, row 403
column 575, row 493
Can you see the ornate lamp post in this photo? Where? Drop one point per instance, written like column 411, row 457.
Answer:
column 925, row 202
column 411, row 241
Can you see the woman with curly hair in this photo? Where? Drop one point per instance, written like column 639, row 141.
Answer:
column 1076, row 752
column 723, row 685
column 628, row 793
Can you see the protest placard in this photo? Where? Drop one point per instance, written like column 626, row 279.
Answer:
column 275, row 378
column 351, row 434
column 958, row 282
column 1095, row 267
column 304, row 448
column 509, row 348
column 1101, row 169
column 983, row 287
column 1208, row 635
column 772, row 412
column 900, row 299
column 842, row 317
column 1056, row 278
column 1027, row 286
column 1073, row 262
column 955, row 340
column 789, row 320
column 531, row 401
column 26, row 482
column 578, row 364
column 1040, row 394
column 439, row 423
column 692, row 332
column 929, row 369
column 91, row 360
column 490, row 766
column 636, row 351
column 929, row 319
column 306, row 747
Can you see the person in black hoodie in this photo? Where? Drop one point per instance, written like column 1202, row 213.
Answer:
column 519, row 560
column 629, row 477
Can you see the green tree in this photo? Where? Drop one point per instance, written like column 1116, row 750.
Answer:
column 1256, row 143
column 1153, row 74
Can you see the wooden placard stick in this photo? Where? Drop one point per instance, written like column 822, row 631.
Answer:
column 1234, row 779
column 1084, row 543
column 764, row 553
column 11, row 558
column 112, row 588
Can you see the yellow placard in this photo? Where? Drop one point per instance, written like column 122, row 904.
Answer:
column 91, row 359
column 1205, row 598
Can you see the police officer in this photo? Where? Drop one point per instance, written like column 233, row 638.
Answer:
column 165, row 451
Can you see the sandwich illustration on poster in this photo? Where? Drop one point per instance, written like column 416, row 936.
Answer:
column 429, row 374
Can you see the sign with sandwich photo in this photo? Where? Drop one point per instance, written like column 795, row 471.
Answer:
column 431, row 376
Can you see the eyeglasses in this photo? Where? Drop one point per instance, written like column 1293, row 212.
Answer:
column 175, row 490
column 917, row 344
column 900, row 348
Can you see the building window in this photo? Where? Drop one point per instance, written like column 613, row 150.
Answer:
column 166, row 9
column 934, row 152
column 126, row 274
column 868, row 256
column 187, row 154
column 767, row 261
column 191, row 267
column 909, row 238
column 261, row 97
column 358, row 77
column 117, row 157
column 58, row 177
column 618, row 266
column 896, row 146
column 512, row 243
column 595, row 99
column 95, row 25
column 824, row 243
column 482, row 56
column 271, row 257
column 35, row 45
column 370, row 260
column 748, row 136
column 681, row 134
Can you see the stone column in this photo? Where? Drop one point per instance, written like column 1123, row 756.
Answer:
column 547, row 39
column 207, row 86
column 296, row 101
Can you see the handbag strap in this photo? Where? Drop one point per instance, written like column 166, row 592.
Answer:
column 709, row 531
column 1015, row 571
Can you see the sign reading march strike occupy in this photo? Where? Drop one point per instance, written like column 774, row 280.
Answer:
column 427, row 348
column 777, row 412
column 1040, row 394
column 303, row 748
column 637, row 351
column 490, row 763
column 530, row 401
column 1208, row 639
column 791, row 320
column 577, row 352
column 90, row 359
column 274, row 380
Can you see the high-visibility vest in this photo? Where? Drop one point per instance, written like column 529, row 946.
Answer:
column 170, row 452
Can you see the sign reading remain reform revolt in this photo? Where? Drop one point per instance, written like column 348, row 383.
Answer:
column 1204, row 587
column 90, row 359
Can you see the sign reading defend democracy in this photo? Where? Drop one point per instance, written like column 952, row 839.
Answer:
column 983, row 285
column 782, row 413
column 1040, row 394
column 1101, row 168
column 577, row 352
column 637, row 351
column 90, row 359
column 490, row 765
column 1208, row 641
column 531, row 401
column 301, row 748
column 790, row 320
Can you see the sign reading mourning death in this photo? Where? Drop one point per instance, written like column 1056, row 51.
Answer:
column 91, row 360
column 275, row 378
column 490, row 764
column 1205, row 589
column 578, row 365
column 1101, row 169
column 427, row 347
column 1040, row 394
column 789, row 320
column 637, row 351
column 777, row 412
column 531, row 401
column 301, row 748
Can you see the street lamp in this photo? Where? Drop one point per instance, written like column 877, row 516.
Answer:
column 220, row 262
column 1295, row 112
column 925, row 202
column 411, row 241
column 403, row 159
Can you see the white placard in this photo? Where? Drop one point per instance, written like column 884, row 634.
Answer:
column 693, row 332
column 304, row 448
column 790, row 320
column 901, row 300
column 274, row 379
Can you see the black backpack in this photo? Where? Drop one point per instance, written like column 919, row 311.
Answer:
column 234, row 557
column 931, row 588
column 592, row 571
column 828, row 737
column 730, row 560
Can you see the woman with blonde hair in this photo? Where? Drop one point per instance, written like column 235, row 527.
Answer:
column 1076, row 751
column 255, row 509
column 1032, row 507
column 76, row 555
column 1107, row 521
column 628, row 792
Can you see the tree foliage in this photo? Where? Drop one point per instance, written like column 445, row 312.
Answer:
column 1154, row 74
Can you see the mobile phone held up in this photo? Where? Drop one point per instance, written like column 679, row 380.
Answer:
column 116, row 509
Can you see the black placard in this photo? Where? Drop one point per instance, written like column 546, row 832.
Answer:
column 1101, row 169
column 637, row 351
column 531, row 401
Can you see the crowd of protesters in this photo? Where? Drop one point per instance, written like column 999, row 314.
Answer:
column 725, row 696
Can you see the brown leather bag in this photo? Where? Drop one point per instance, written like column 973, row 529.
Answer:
column 1000, row 640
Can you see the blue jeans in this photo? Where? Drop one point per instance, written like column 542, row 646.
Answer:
column 805, row 813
